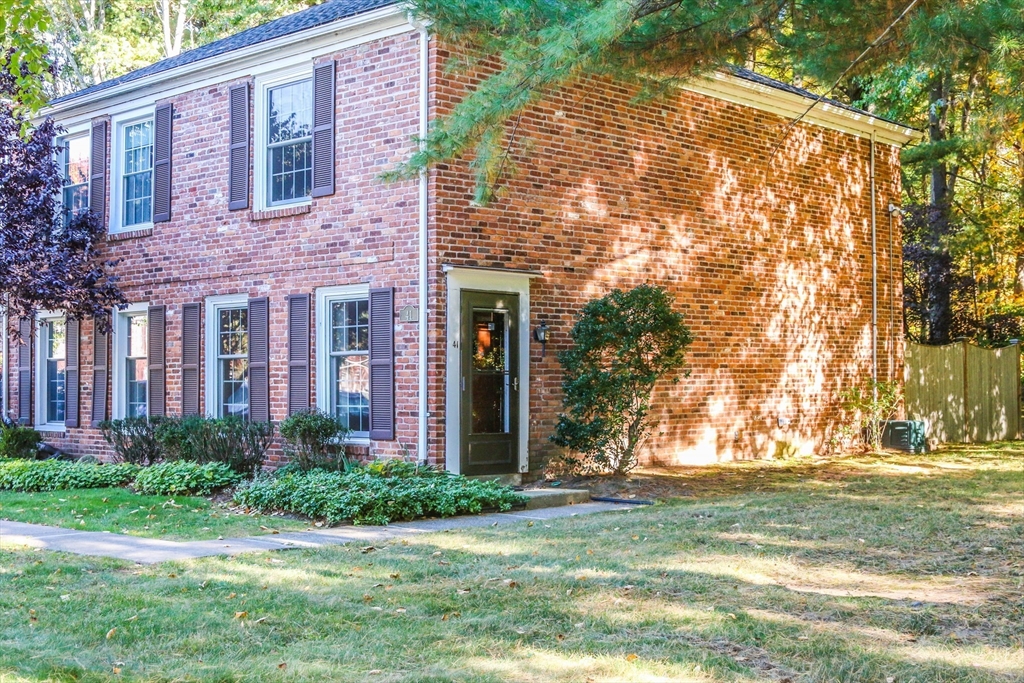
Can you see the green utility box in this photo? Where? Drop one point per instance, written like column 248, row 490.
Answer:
column 904, row 435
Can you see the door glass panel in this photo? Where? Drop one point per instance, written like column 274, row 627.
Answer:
column 490, row 399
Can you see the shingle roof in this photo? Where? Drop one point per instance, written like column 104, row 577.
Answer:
column 332, row 10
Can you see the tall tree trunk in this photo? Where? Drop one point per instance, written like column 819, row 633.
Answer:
column 940, row 270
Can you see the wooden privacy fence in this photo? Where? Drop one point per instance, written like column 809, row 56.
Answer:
column 964, row 393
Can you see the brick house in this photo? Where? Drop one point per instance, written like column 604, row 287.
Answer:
column 270, row 270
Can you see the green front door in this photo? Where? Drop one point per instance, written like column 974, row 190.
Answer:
column 490, row 383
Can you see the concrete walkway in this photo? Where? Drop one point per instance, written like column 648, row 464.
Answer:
column 151, row 550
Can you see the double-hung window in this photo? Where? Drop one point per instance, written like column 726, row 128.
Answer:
column 51, row 372
column 227, row 334
column 132, row 173
column 131, row 362
column 74, row 162
column 285, row 140
column 343, row 356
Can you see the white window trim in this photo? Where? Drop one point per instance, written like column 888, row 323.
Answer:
column 78, row 131
column 264, row 83
column 5, row 366
column 40, row 395
column 325, row 296
column 117, row 125
column 119, row 404
column 213, row 306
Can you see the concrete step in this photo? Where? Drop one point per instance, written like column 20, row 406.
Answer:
column 549, row 498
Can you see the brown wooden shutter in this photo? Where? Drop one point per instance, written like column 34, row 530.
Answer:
column 238, row 161
column 71, row 377
column 190, row 332
column 25, row 329
column 163, row 119
column 298, row 353
column 98, row 171
column 382, row 363
column 157, row 384
column 323, row 129
column 100, row 375
column 259, row 353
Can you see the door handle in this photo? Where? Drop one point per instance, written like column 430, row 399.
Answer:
column 515, row 384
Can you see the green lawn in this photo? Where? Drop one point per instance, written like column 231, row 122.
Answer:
column 120, row 511
column 904, row 568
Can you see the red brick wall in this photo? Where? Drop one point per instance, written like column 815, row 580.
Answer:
column 769, row 259
column 364, row 233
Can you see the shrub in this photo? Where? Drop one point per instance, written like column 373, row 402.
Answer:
column 59, row 475
column 185, row 478
column 240, row 444
column 623, row 343
column 367, row 498
column 17, row 441
column 871, row 406
column 312, row 441
column 134, row 439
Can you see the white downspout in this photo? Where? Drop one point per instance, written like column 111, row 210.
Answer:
column 421, row 438
column 874, row 270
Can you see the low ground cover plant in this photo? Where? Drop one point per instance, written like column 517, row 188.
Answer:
column 184, row 477
column 58, row 475
column 366, row 496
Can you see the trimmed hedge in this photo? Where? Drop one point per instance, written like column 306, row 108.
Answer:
column 368, row 498
column 58, row 475
column 185, row 478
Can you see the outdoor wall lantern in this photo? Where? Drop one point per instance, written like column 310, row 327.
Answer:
column 540, row 334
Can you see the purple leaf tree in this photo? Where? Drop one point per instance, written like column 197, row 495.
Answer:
column 49, row 259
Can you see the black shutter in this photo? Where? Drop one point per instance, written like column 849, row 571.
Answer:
column 238, row 160
column 162, row 124
column 382, row 364
column 71, row 365
column 98, row 171
column 157, row 384
column 100, row 353
column 323, row 129
column 298, row 353
column 259, row 352
column 190, row 332
column 25, row 329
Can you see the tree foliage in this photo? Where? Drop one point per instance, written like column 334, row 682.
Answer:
column 623, row 343
column 49, row 258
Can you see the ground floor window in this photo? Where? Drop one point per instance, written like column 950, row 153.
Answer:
column 343, row 356
column 228, row 357
column 51, row 371
column 131, row 362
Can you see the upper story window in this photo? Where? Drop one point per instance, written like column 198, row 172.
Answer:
column 137, row 173
column 74, row 161
column 289, row 142
column 131, row 171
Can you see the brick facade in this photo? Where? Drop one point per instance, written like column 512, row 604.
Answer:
column 770, row 262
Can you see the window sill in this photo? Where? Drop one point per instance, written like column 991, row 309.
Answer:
column 281, row 212
column 52, row 428
column 129, row 234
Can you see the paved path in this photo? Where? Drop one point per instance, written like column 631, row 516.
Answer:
column 152, row 550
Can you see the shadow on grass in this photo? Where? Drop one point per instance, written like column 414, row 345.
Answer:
column 860, row 579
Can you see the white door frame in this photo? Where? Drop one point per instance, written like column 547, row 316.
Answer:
column 457, row 280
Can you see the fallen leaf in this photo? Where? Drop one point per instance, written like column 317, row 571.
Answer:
column 117, row 670
column 529, row 524
column 282, row 665
column 241, row 615
column 111, row 632
column 132, row 618
column 462, row 591
column 400, row 610
column 374, row 672
column 396, row 575
column 560, row 637
column 631, row 657
column 367, row 549
column 231, row 596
